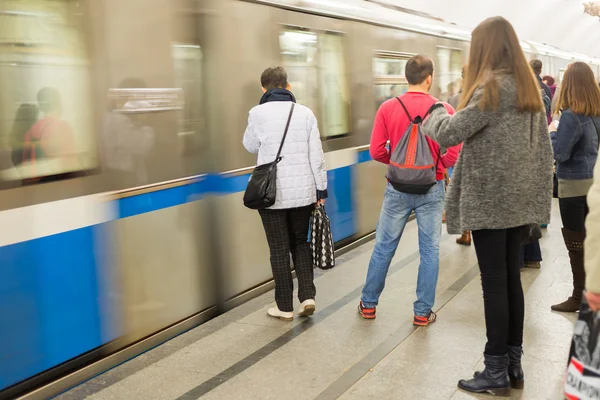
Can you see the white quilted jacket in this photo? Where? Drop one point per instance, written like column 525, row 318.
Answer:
column 301, row 171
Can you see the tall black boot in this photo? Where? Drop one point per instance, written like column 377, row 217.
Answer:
column 515, row 370
column 493, row 380
column 574, row 242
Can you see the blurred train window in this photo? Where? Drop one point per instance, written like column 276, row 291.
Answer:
column 153, row 54
column 317, row 71
column 188, row 76
column 46, row 118
column 448, row 71
column 299, row 55
column 389, row 77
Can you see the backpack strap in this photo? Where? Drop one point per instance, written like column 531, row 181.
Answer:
column 432, row 109
column 405, row 110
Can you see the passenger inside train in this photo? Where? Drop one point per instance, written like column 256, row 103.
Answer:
column 170, row 231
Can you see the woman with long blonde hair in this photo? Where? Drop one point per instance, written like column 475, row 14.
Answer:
column 502, row 186
column 575, row 145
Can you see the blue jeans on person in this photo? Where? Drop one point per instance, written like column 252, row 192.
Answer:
column 531, row 253
column 395, row 211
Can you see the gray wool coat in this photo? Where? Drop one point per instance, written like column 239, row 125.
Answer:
column 503, row 177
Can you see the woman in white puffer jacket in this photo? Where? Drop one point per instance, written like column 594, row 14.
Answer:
column 301, row 182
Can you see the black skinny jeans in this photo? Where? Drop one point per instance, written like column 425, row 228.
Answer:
column 499, row 256
column 573, row 211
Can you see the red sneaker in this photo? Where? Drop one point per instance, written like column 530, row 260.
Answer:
column 425, row 320
column 366, row 313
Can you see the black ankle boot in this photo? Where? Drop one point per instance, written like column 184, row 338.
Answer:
column 515, row 371
column 494, row 379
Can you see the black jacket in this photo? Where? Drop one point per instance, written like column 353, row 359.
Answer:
column 545, row 87
column 547, row 98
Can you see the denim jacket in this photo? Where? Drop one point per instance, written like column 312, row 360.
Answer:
column 575, row 146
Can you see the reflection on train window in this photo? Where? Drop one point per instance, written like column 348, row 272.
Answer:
column 448, row 72
column 45, row 109
column 389, row 77
column 386, row 92
column 187, row 59
column 318, row 75
column 160, row 52
column 389, row 68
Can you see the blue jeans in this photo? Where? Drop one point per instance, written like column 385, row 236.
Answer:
column 396, row 209
column 532, row 252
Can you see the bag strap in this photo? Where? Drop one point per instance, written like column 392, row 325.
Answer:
column 405, row 110
column 439, row 158
column 431, row 109
column 287, row 127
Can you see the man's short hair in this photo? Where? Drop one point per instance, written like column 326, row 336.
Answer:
column 273, row 78
column 536, row 66
column 418, row 68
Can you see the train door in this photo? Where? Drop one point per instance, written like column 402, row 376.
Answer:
column 316, row 64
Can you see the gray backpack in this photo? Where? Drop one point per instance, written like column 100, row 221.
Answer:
column 412, row 169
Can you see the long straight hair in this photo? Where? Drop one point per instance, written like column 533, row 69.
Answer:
column 579, row 91
column 495, row 49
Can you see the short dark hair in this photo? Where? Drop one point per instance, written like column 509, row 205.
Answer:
column 418, row 68
column 536, row 65
column 273, row 78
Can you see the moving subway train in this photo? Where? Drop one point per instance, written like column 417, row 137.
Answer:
column 124, row 226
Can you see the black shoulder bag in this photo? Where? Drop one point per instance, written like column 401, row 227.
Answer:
column 262, row 187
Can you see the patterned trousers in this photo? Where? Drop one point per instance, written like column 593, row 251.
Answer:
column 287, row 232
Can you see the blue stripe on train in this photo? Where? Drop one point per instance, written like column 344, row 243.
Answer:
column 159, row 200
column 363, row 156
column 57, row 299
column 49, row 304
column 339, row 206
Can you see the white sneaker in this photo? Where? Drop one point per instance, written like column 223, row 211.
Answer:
column 282, row 315
column 307, row 308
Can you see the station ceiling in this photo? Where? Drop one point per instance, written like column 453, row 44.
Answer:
column 561, row 23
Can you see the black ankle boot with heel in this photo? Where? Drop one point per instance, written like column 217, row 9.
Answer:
column 493, row 380
column 515, row 370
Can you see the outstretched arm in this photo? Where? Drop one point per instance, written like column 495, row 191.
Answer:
column 452, row 130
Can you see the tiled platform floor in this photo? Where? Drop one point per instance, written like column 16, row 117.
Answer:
column 335, row 354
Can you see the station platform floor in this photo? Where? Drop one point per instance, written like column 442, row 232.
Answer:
column 244, row 354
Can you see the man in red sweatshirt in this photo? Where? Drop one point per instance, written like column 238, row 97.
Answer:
column 390, row 125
